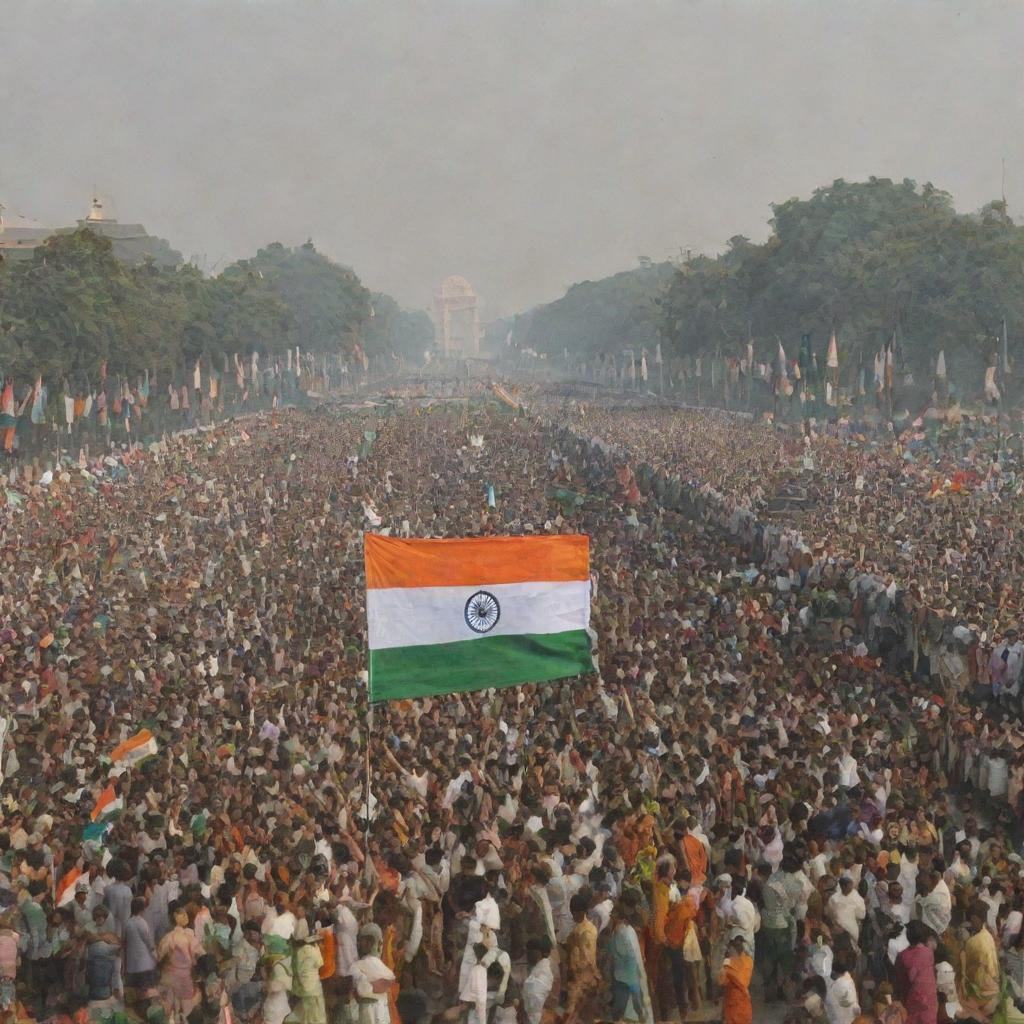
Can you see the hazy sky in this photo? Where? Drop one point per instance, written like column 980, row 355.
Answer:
column 525, row 145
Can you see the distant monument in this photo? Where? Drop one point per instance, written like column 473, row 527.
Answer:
column 19, row 237
column 457, row 318
column 132, row 245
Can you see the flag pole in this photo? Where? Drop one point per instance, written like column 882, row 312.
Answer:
column 366, row 832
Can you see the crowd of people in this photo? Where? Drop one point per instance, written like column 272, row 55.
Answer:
column 792, row 780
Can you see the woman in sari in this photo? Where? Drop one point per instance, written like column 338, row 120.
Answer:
column 737, row 970
column 980, row 961
column 177, row 954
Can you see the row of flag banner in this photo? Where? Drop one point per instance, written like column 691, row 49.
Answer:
column 784, row 373
column 111, row 398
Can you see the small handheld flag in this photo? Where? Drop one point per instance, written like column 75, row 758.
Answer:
column 135, row 749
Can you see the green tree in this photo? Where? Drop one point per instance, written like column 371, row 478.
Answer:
column 396, row 332
column 871, row 260
column 328, row 305
column 72, row 307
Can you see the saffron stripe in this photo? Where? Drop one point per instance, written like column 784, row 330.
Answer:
column 474, row 561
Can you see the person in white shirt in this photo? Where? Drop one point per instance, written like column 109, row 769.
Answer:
column 744, row 919
column 601, row 912
column 473, row 986
column 817, row 866
column 936, row 908
column 372, row 978
column 907, row 878
column 280, row 920
column 991, row 894
column 540, row 979
column 346, row 932
column 848, row 777
column 846, row 909
column 841, row 1003
column 897, row 942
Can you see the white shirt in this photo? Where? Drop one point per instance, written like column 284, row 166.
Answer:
column 897, row 945
column 280, row 924
column 454, row 789
column 473, row 990
column 346, row 929
column 600, row 915
column 841, row 1004
column 536, row 990
column 366, row 971
column 847, row 771
column 847, row 912
column 744, row 920
column 936, row 908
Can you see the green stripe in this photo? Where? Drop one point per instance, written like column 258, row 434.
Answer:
column 491, row 661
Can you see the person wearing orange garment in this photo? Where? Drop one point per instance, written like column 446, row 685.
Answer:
column 655, row 941
column 735, row 977
column 696, row 853
column 680, row 937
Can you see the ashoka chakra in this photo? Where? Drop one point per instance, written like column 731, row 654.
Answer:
column 482, row 612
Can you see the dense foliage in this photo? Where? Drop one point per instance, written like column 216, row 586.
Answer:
column 75, row 305
column 874, row 261
column 405, row 334
column 870, row 260
column 593, row 317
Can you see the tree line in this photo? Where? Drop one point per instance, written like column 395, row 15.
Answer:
column 880, row 263
column 74, row 307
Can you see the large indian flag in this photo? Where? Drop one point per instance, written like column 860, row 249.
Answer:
column 450, row 615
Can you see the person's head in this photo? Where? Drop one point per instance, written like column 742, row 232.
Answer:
column 736, row 946
column 537, row 949
column 578, row 907
column 977, row 916
column 666, row 868
column 814, row 986
column 917, row 933
column 843, row 962
column 138, row 906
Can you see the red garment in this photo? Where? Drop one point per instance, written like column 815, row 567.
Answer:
column 915, row 984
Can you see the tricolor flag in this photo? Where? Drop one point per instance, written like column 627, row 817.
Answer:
column 446, row 616
column 107, row 804
column 134, row 749
column 66, row 887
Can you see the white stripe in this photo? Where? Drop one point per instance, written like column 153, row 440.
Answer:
column 411, row 616
column 147, row 749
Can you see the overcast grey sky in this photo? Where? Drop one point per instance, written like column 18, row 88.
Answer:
column 525, row 145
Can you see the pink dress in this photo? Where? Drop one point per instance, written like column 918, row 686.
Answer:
column 178, row 951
